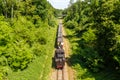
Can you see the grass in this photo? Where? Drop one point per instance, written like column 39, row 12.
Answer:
column 82, row 72
column 39, row 69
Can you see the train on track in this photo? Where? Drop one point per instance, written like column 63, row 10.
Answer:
column 59, row 56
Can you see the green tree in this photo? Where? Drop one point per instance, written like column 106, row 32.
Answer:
column 102, row 17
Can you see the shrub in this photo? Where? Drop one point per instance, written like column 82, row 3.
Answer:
column 71, row 24
column 42, row 40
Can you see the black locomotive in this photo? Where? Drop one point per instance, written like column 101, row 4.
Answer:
column 59, row 56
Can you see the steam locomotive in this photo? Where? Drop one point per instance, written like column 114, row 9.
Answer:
column 59, row 58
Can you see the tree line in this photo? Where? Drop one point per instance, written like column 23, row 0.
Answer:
column 21, row 34
column 96, row 23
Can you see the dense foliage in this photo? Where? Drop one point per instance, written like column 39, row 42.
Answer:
column 58, row 13
column 22, row 32
column 96, row 24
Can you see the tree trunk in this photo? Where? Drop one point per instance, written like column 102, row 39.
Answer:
column 12, row 12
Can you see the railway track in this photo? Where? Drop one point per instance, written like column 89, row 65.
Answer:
column 60, row 74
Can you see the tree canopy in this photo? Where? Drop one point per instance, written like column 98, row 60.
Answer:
column 96, row 24
column 22, row 25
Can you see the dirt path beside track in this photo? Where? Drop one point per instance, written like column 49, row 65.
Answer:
column 67, row 53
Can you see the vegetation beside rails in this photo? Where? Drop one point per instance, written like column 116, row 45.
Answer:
column 27, row 35
column 95, row 38
column 39, row 69
column 81, row 69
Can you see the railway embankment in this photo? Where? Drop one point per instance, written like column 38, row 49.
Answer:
column 40, row 67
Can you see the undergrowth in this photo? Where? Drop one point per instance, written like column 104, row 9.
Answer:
column 82, row 71
column 40, row 67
